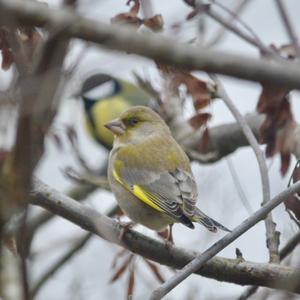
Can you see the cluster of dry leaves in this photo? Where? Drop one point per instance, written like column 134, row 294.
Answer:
column 18, row 44
column 125, row 262
column 154, row 23
column 277, row 130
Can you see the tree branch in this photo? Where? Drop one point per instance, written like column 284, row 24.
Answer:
column 227, row 138
column 254, row 41
column 271, row 233
column 218, row 268
column 288, row 26
column 161, row 49
column 200, row 260
column 240, row 6
column 78, row 245
column 284, row 252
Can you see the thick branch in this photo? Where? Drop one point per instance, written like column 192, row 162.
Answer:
column 218, row 268
column 227, row 138
column 153, row 46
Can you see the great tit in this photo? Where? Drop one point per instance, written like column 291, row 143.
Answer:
column 104, row 98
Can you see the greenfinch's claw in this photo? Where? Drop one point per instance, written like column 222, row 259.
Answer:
column 124, row 227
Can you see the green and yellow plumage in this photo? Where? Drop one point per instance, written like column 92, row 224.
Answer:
column 151, row 175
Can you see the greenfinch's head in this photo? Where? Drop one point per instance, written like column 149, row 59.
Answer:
column 137, row 124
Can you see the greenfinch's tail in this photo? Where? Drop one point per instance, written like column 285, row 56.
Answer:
column 208, row 222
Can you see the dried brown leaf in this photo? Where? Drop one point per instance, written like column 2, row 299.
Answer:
column 296, row 173
column 131, row 282
column 121, row 270
column 155, row 271
column 164, row 233
column 129, row 18
column 204, row 142
column 196, row 87
column 7, row 55
column 199, row 120
column 7, row 58
column 118, row 255
column 155, row 23
column 285, row 162
column 292, row 203
column 277, row 130
column 135, row 8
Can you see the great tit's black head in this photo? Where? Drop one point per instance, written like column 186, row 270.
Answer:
column 99, row 86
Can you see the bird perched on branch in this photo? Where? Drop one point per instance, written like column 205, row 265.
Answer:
column 150, row 174
column 105, row 98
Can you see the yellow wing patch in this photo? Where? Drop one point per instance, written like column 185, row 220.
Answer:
column 138, row 192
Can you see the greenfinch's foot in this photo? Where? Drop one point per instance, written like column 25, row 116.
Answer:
column 124, row 227
column 167, row 236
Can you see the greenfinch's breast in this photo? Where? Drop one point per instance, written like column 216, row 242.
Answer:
column 161, row 153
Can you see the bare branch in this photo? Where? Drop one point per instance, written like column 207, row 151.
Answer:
column 200, row 260
column 288, row 26
column 238, row 187
column 221, row 32
column 227, row 138
column 218, row 268
column 230, row 26
column 78, row 245
column 284, row 252
column 156, row 47
column 271, row 233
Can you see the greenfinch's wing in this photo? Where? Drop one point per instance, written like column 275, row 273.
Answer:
column 173, row 193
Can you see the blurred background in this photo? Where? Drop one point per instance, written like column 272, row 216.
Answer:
column 88, row 273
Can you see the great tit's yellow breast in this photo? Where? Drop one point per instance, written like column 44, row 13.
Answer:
column 102, row 112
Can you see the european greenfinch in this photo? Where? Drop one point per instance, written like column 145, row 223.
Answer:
column 105, row 98
column 150, row 175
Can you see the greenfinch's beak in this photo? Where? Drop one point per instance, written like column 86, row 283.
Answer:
column 116, row 126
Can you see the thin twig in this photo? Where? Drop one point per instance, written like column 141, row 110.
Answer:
column 78, row 245
column 288, row 26
column 233, row 16
column 284, row 252
column 199, row 261
column 87, row 178
column 233, row 28
column 238, row 187
column 271, row 233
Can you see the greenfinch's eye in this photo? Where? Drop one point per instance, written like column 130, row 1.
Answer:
column 132, row 121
